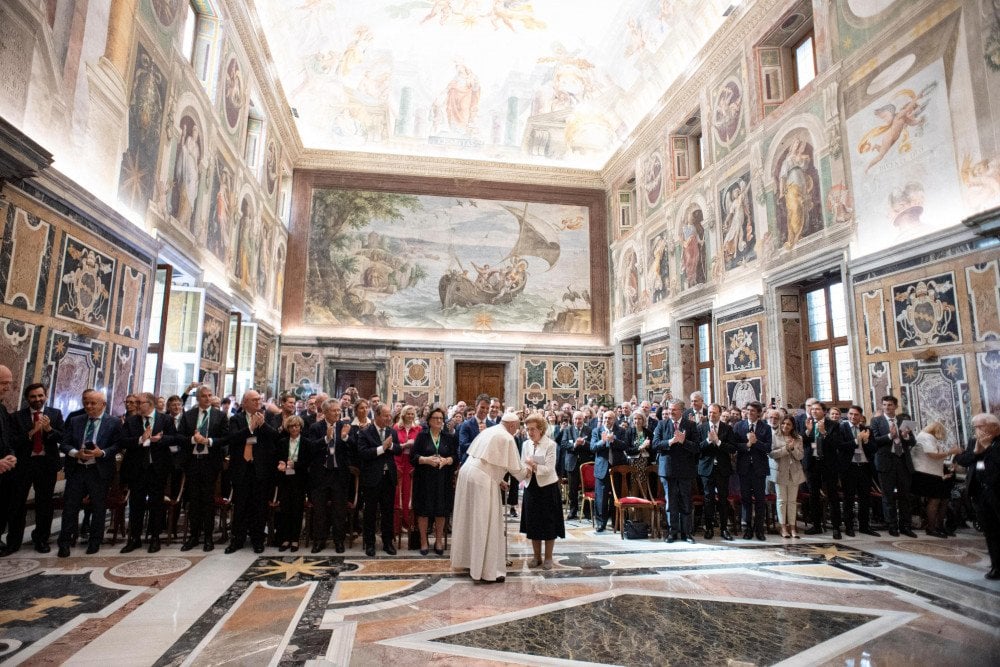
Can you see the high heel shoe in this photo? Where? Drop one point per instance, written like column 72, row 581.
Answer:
column 283, row 547
column 439, row 552
column 424, row 552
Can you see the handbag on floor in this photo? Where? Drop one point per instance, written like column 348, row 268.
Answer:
column 636, row 530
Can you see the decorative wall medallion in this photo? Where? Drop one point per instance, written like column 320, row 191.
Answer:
column 564, row 375
column 926, row 313
column 742, row 347
column 873, row 306
column 595, row 374
column 149, row 567
column 534, row 372
column 983, row 282
column 130, row 300
column 417, row 372
column 741, row 392
column 85, row 284
column 789, row 303
column 25, row 254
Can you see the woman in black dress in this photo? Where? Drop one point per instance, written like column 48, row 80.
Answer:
column 433, row 458
column 291, row 484
column 541, row 511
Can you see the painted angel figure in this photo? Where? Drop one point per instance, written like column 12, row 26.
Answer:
column 896, row 125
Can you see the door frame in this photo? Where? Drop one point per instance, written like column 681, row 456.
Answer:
column 510, row 375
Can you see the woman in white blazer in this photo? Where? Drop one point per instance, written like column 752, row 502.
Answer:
column 541, row 513
column 786, row 470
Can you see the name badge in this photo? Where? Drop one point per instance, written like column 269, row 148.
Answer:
column 252, row 440
column 289, row 471
column 981, row 466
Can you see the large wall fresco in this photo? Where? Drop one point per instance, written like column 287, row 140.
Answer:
column 391, row 260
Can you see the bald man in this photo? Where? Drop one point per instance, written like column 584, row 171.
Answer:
column 90, row 444
column 7, row 458
column 251, row 469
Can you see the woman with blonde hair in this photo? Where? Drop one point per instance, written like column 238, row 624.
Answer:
column 407, row 429
column 928, row 474
column 786, row 471
column 541, row 510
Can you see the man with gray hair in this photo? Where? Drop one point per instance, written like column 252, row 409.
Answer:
column 981, row 459
column 251, row 467
column 203, row 430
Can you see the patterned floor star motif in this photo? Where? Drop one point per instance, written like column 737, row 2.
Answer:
column 834, row 553
column 296, row 569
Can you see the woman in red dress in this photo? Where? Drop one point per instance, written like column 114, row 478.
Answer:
column 407, row 429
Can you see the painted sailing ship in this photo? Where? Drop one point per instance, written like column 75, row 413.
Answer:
column 501, row 284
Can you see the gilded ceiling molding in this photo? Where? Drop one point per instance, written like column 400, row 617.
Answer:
column 682, row 95
column 441, row 167
column 252, row 41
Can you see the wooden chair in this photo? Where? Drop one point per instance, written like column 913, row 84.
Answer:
column 623, row 484
column 587, row 485
column 656, row 495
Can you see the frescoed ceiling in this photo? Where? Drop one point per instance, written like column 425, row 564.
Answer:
column 541, row 82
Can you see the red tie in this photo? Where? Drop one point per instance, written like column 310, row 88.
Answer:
column 36, row 444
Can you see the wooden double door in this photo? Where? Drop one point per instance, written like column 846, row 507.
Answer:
column 478, row 377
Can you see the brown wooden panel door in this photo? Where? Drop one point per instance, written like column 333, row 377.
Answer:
column 363, row 380
column 474, row 377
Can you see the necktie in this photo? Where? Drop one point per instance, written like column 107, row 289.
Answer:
column 897, row 446
column 857, row 445
column 248, row 447
column 36, row 444
column 147, row 423
column 677, row 427
column 88, row 433
column 819, row 441
column 203, row 424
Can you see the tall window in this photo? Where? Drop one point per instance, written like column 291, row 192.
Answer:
column 703, row 357
column 182, row 343
column 198, row 40
column 625, row 199
column 804, row 57
column 240, row 355
column 190, row 29
column 825, row 317
column 255, row 136
column 157, row 329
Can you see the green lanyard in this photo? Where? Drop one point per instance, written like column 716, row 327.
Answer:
column 437, row 443
column 293, row 455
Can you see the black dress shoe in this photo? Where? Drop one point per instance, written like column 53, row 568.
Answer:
column 389, row 549
column 283, row 547
column 294, row 547
column 500, row 580
column 339, row 547
column 908, row 532
column 317, row 547
column 815, row 530
column 63, row 551
column 42, row 547
column 370, row 552
column 93, row 549
column 600, row 529
column 869, row 531
column 727, row 536
column 189, row 545
column 837, row 535
column 208, row 546
column 671, row 539
column 258, row 548
column 709, row 533
column 760, row 536
column 993, row 574
column 849, row 532
column 130, row 546
column 234, row 547
column 6, row 551
column 424, row 552
column 153, row 547
column 748, row 535
column 689, row 539
column 439, row 552
column 893, row 532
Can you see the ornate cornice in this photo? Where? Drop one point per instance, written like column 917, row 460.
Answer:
column 412, row 165
column 683, row 94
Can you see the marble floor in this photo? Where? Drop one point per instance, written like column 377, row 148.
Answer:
column 857, row 602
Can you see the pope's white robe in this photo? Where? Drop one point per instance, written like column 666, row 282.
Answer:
column 477, row 521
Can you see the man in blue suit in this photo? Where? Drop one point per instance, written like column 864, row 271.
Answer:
column 605, row 438
column 471, row 427
column 753, row 443
column 676, row 443
column 90, row 444
column 574, row 448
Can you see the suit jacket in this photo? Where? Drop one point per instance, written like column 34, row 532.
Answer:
column 263, row 464
column 8, row 432
column 467, row 432
column 982, row 484
column 680, row 459
column 24, row 445
column 157, row 456
column 108, row 435
column 603, row 454
column 880, row 436
column 571, row 455
column 837, row 452
column 716, row 458
column 217, row 432
column 689, row 414
column 848, row 436
column 315, row 456
column 752, row 459
column 373, row 464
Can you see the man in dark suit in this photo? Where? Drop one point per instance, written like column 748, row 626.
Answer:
column 286, row 405
column 698, row 411
column 146, row 438
column 608, row 437
column 857, row 477
column 894, row 466
column 675, row 442
column 753, row 443
column 471, row 427
column 327, row 461
column 251, row 467
column 825, row 461
column 38, row 464
column 90, row 443
column 377, row 443
column 204, row 431
column 8, row 460
column 801, row 417
column 574, row 449
column 715, row 467
column 981, row 459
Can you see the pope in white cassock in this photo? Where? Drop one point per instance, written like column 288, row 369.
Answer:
column 478, row 522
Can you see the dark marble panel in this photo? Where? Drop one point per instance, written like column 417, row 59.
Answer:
column 34, row 606
column 630, row 630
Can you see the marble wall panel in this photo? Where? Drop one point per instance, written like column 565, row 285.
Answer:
column 792, row 364
column 988, row 365
column 72, row 363
column 743, row 391
column 301, row 371
column 925, row 312
column 656, row 374
column 85, row 279
column 130, row 302
column 25, row 255
column 18, row 348
column 741, row 355
column 880, row 383
column 938, row 390
column 873, row 307
column 122, row 379
column 417, row 378
column 263, row 377
column 741, row 347
column 983, row 287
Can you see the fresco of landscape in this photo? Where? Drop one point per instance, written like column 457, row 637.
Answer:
column 390, row 260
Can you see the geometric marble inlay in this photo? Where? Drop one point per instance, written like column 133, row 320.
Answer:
column 150, row 567
column 631, row 627
column 15, row 567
